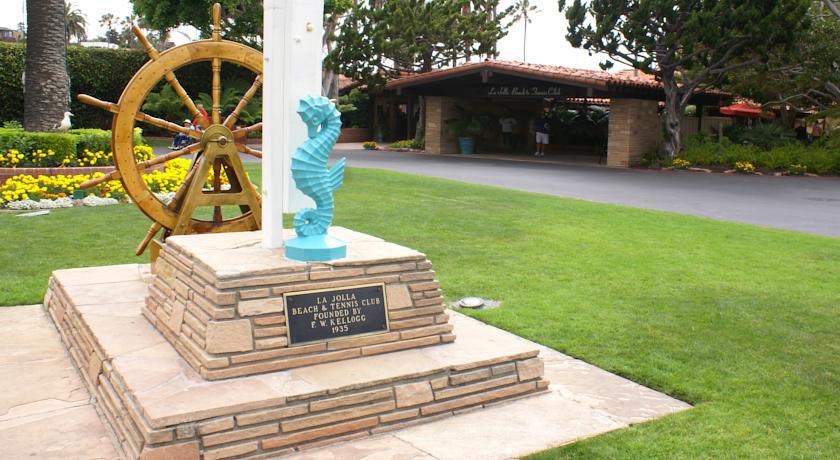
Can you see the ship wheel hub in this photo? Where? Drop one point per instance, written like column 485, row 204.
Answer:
column 216, row 134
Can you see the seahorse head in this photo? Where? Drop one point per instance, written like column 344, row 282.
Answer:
column 315, row 110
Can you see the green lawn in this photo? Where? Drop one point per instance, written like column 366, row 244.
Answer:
column 740, row 321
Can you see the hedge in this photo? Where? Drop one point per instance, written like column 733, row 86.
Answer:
column 71, row 145
column 817, row 158
column 101, row 73
column 63, row 145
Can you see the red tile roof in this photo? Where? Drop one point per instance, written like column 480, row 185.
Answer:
column 345, row 82
column 598, row 79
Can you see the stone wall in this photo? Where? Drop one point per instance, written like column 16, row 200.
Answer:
column 235, row 327
column 635, row 130
column 355, row 135
column 438, row 110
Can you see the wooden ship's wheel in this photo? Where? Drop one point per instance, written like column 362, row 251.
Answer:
column 216, row 146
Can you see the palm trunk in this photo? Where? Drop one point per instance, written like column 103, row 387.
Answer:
column 524, row 40
column 46, row 86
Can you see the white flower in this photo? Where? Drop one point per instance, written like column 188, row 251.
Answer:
column 42, row 204
column 165, row 198
column 92, row 200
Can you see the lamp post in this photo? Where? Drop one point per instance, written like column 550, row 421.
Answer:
column 292, row 69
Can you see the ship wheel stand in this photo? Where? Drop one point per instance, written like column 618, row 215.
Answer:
column 216, row 146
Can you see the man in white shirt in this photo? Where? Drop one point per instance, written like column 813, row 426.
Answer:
column 507, row 123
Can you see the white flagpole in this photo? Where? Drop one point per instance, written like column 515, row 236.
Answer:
column 292, row 69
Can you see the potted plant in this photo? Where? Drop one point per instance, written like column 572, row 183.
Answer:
column 467, row 127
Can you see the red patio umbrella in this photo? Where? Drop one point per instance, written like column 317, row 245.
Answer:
column 746, row 111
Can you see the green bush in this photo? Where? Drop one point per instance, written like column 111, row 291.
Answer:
column 11, row 84
column 821, row 158
column 768, row 136
column 62, row 145
column 95, row 140
column 369, row 145
column 407, row 144
column 14, row 139
column 69, row 146
column 354, row 109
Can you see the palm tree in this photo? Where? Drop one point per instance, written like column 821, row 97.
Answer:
column 46, row 85
column 75, row 23
column 108, row 21
column 523, row 10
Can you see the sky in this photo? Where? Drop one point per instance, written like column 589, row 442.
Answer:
column 546, row 42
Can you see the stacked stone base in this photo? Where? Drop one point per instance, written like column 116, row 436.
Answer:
column 218, row 299
column 160, row 407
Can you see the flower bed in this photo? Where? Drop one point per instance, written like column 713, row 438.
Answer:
column 39, row 158
column 163, row 183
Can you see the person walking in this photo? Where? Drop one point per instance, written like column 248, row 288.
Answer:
column 201, row 117
column 507, row 123
column 542, row 127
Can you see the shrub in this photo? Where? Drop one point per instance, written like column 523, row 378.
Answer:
column 407, row 144
column 99, row 140
column 820, row 160
column 768, row 135
column 62, row 145
column 77, row 147
column 94, row 140
column 354, row 109
column 369, row 145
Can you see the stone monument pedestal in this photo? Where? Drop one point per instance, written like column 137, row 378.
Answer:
column 198, row 360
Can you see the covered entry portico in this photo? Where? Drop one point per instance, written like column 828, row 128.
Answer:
column 496, row 89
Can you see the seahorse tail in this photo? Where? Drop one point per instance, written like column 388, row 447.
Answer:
column 309, row 222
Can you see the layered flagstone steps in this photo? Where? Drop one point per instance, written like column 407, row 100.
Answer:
column 218, row 299
column 159, row 406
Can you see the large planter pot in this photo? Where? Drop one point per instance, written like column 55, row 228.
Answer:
column 467, row 145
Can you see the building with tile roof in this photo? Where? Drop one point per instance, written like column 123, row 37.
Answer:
column 500, row 89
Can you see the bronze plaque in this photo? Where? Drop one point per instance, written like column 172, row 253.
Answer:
column 329, row 314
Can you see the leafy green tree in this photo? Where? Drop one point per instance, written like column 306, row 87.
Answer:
column 689, row 45
column 806, row 75
column 74, row 23
column 380, row 39
column 334, row 12
column 242, row 20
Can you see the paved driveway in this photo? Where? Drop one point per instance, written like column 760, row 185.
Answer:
column 796, row 203
column 807, row 204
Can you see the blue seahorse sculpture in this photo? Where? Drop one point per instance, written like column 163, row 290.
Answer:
column 317, row 181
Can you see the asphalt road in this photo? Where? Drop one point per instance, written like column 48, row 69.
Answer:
column 807, row 204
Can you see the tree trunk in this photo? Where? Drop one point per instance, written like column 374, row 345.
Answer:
column 420, row 131
column 524, row 39
column 673, row 116
column 46, row 87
